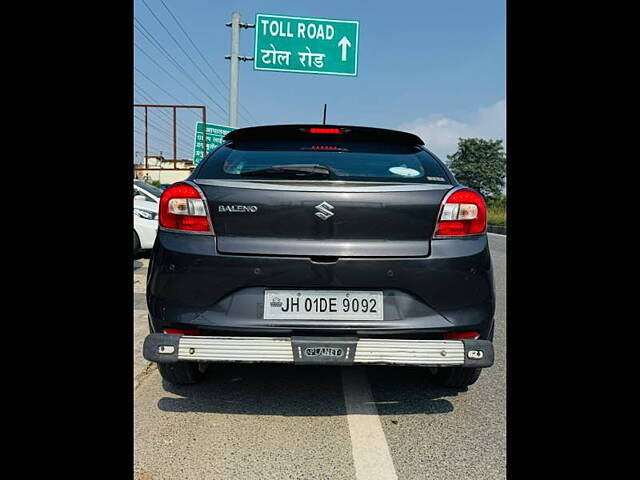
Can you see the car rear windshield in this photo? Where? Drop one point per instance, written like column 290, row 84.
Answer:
column 323, row 159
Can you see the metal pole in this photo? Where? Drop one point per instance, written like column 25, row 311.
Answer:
column 175, row 155
column 233, row 79
column 146, row 141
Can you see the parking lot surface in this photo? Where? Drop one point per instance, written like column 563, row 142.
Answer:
column 267, row 421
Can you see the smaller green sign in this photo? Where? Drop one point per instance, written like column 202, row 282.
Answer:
column 215, row 133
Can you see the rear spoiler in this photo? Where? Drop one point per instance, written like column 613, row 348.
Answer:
column 304, row 132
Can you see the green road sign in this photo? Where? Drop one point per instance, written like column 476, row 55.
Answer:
column 214, row 138
column 306, row 45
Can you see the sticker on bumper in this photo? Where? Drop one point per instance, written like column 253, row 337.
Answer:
column 327, row 351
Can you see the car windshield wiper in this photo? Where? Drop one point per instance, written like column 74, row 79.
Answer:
column 300, row 169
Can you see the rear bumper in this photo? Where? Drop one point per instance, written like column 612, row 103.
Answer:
column 191, row 285
column 164, row 348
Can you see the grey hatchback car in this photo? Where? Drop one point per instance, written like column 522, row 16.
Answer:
column 326, row 245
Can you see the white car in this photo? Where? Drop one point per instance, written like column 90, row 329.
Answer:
column 145, row 215
column 149, row 192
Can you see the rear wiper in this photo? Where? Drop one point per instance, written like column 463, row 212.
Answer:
column 299, row 169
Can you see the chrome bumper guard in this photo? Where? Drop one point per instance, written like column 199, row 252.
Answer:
column 165, row 348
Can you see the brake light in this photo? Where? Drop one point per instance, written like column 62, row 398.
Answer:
column 182, row 208
column 464, row 213
column 182, row 331
column 461, row 335
column 325, row 130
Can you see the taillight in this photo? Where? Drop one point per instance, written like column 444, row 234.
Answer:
column 182, row 208
column 464, row 213
column 461, row 335
column 325, row 130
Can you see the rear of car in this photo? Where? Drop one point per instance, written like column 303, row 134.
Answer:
column 145, row 215
column 317, row 244
column 145, row 224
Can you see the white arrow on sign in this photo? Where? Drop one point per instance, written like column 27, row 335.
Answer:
column 344, row 43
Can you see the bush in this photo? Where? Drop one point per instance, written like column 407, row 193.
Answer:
column 497, row 202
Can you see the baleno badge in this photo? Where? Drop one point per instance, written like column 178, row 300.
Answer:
column 237, row 208
column 324, row 210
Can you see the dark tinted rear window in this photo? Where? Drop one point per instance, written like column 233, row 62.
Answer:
column 347, row 161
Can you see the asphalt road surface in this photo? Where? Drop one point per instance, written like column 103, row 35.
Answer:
column 266, row 421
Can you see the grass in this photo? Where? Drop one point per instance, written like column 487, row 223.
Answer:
column 497, row 212
column 496, row 216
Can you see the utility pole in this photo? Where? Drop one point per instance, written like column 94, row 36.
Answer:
column 233, row 80
column 234, row 58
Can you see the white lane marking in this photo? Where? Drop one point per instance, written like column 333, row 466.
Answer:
column 371, row 455
column 497, row 234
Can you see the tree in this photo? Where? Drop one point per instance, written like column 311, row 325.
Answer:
column 480, row 164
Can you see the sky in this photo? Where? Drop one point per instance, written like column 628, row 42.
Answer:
column 434, row 68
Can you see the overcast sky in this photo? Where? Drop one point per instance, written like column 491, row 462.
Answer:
column 435, row 68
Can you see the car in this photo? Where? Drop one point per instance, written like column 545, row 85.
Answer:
column 145, row 225
column 164, row 186
column 321, row 245
column 145, row 192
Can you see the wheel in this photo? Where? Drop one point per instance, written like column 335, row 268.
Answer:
column 136, row 243
column 456, row 377
column 181, row 373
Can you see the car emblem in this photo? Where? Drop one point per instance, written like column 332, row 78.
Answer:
column 324, row 210
column 276, row 302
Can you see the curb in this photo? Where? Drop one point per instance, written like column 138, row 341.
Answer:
column 497, row 229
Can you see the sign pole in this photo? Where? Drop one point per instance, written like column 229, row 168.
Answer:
column 234, row 71
column 233, row 79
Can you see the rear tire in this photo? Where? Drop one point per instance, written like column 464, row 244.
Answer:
column 456, row 377
column 180, row 373
column 136, row 244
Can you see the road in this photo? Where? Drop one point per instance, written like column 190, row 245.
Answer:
column 273, row 421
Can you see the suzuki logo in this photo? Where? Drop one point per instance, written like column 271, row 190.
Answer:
column 324, row 210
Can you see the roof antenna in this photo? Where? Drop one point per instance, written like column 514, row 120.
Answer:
column 324, row 115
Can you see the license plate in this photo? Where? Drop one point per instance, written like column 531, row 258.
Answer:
column 323, row 305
